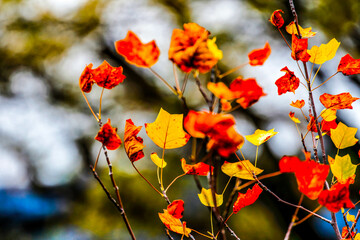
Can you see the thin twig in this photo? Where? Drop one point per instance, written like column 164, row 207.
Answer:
column 354, row 224
column 290, row 204
column 293, row 219
column 163, row 80
column 198, row 83
column 347, row 226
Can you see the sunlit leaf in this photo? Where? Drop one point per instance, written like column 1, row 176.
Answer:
column 247, row 199
column 242, row 169
column 324, row 53
column 132, row 143
column 220, row 90
column 200, row 169
column 287, row 83
column 339, row 101
column 136, row 52
column 350, row 217
column 246, row 91
column 176, row 208
column 342, row 168
column 206, row 198
column 86, row 80
column 328, row 114
column 107, row 76
column 343, row 136
column 349, row 65
column 174, row 224
column 326, row 126
column 293, row 118
column 213, row 48
column 309, row 174
column 260, row 136
column 298, row 103
column 336, row 197
column 107, row 135
column 158, row 161
column 305, row 32
column 276, row 19
column 257, row 57
column 167, row 130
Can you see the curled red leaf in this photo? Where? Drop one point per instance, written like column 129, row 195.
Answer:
column 299, row 49
column 247, row 199
column 349, row 65
column 287, row 83
column 276, row 19
column 132, row 143
column 176, row 208
column 200, row 169
column 107, row 135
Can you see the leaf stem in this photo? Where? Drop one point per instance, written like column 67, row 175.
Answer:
column 176, row 78
column 152, row 186
column 232, row 70
column 102, row 92
column 163, row 80
column 325, row 81
column 181, row 175
column 90, row 106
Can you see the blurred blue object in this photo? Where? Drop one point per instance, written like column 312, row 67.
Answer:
column 22, row 205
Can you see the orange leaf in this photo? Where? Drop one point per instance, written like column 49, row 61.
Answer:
column 246, row 91
column 309, row 174
column 201, row 124
column 298, row 103
column 136, row 52
column 247, row 199
column 312, row 124
column 200, row 169
column 133, row 144
column 305, row 32
column 107, row 135
column 257, row 57
column 104, row 76
column 174, row 224
column 276, row 19
column 336, row 197
column 190, row 49
column 220, row 90
column 167, row 130
column 299, row 49
column 339, row 101
column 287, row 83
column 107, row 76
column 176, row 208
column 348, row 65
column 326, row 126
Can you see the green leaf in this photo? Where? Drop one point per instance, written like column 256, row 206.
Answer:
column 342, row 168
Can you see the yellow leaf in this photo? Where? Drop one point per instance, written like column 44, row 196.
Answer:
column 343, row 136
column 174, row 224
column 357, row 236
column 350, row 218
column 342, row 168
column 328, row 114
column 305, row 32
column 260, row 136
column 206, row 198
column 158, row 161
column 242, row 169
column 324, row 53
column 214, row 49
column 167, row 131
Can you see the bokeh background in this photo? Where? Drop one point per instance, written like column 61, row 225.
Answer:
column 47, row 132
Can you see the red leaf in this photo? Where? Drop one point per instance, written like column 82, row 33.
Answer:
column 247, row 91
column 257, row 57
column 336, row 197
column 309, row 174
column 176, row 208
column 107, row 135
column 219, row 127
column 200, row 169
column 107, row 76
column 287, row 83
column 133, row 144
column 248, row 198
column 312, row 124
column 339, row 101
column 299, row 49
column 86, row 81
column 136, row 52
column 276, row 19
column 327, row 125
column 348, row 65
